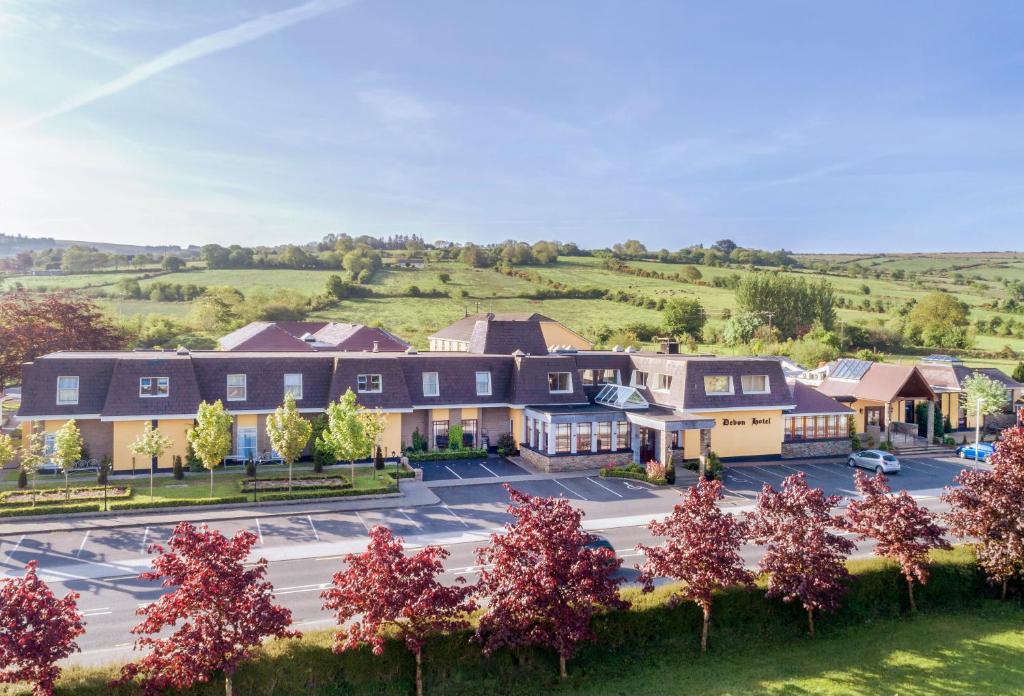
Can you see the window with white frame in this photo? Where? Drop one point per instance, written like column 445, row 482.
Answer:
column 431, row 387
column 236, row 388
column 483, row 383
column 755, row 384
column 150, row 387
column 639, row 379
column 293, row 385
column 67, row 390
column 559, row 382
column 718, row 385
column 662, row 382
column 368, row 384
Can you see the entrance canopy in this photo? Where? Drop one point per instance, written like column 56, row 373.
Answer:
column 621, row 397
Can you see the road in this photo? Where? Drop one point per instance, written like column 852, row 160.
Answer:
column 304, row 550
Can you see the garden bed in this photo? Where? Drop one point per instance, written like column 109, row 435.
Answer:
column 306, row 483
column 633, row 471
column 447, row 454
column 78, row 494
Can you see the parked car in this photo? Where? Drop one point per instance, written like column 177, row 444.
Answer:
column 875, row 460
column 981, row 452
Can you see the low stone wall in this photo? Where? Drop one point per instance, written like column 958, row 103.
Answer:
column 550, row 464
column 799, row 449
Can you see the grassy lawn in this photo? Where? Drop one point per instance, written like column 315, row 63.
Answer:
column 969, row 653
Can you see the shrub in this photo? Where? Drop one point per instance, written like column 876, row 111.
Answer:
column 419, row 443
column 455, row 437
column 714, row 468
column 506, row 444
column 436, row 455
column 22, row 511
column 22, row 479
column 103, row 472
column 670, row 470
column 655, row 470
column 177, row 468
column 949, row 441
column 250, row 468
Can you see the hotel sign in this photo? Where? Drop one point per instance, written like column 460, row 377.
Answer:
column 743, row 421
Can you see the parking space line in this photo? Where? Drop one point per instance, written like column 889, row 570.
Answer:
column 144, row 535
column 452, row 513
column 316, row 536
column 84, row 540
column 362, row 521
column 771, row 473
column 15, row 549
column 454, row 473
column 406, row 516
column 604, row 487
column 581, row 497
column 738, row 495
column 488, row 471
column 259, row 531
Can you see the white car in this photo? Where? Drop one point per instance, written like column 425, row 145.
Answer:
column 876, row 460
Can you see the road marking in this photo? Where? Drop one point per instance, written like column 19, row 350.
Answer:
column 144, row 535
column 311, row 526
column 89, row 614
column 82, row 545
column 259, row 531
column 488, row 471
column 770, row 473
column 313, row 622
column 301, row 588
column 15, row 549
column 452, row 513
column 406, row 515
column 604, row 487
column 360, row 518
column 452, row 470
column 581, row 497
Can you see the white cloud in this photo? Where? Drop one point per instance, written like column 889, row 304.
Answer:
column 394, row 105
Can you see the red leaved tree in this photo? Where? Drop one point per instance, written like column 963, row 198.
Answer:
column 220, row 610
column 384, row 590
column 988, row 506
column 702, row 549
column 902, row 530
column 805, row 561
column 36, row 630
column 541, row 581
column 33, row 325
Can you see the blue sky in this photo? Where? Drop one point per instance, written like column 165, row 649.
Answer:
column 814, row 126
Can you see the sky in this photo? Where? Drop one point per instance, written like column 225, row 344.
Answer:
column 812, row 126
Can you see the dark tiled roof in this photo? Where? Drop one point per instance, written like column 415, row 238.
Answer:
column 530, row 383
column 287, row 336
column 39, row 386
column 123, row 394
column 695, row 399
column 456, row 375
column 394, row 391
column 810, row 400
column 996, row 374
column 357, row 337
column 264, row 383
column 462, row 330
column 500, row 337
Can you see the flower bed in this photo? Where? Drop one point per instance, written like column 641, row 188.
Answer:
column 78, row 494
column 632, row 471
column 439, row 455
column 306, row 483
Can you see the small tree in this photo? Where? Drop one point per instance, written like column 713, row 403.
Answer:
column 902, row 530
column 988, row 506
column 67, row 451
column 541, row 581
column 345, row 435
column 211, row 437
column 455, row 437
column 804, row 560
column 383, row 592
column 7, row 450
column 684, row 316
column 289, row 433
column 220, row 610
column 177, row 469
column 378, row 460
column 151, row 443
column 702, row 549
column 983, row 393
column 37, row 630
column 31, row 456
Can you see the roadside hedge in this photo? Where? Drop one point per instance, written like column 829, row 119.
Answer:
column 628, row 474
column 323, row 493
column 179, row 502
column 26, row 510
column 96, row 491
column 446, row 454
column 627, row 641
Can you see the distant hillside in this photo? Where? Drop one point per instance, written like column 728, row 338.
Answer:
column 10, row 245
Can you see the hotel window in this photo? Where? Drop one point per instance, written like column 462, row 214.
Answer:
column 67, row 390
column 592, row 377
column 483, row 383
column 622, row 436
column 604, row 437
column 821, row 427
column 559, row 382
column 246, row 443
column 236, row 388
column 469, row 429
column 755, row 384
column 430, row 384
column 639, row 379
column 440, row 430
column 798, row 428
column 563, row 433
column 583, row 437
column 293, row 385
column 718, row 385
column 368, row 384
column 834, row 425
column 154, row 386
column 677, row 440
column 662, row 382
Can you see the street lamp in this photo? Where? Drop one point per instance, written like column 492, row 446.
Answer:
column 977, row 432
column 398, row 479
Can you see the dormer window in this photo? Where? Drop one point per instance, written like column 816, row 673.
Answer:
column 293, row 385
column 483, row 383
column 639, row 379
column 368, row 384
column 755, row 384
column 154, row 387
column 718, row 385
column 559, row 382
column 662, row 382
column 67, row 391
column 236, row 388
column 431, row 386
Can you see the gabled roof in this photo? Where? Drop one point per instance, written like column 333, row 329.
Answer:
column 501, row 337
column 996, row 374
column 292, row 336
column 809, row 400
column 462, row 330
column 123, row 397
column 880, row 382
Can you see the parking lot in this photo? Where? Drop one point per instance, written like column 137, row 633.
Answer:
column 459, row 469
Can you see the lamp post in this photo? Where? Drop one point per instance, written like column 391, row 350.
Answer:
column 977, row 433
column 398, row 479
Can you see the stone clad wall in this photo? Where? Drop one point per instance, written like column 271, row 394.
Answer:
column 573, row 462
column 799, row 449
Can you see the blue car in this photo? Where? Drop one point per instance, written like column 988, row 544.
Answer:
column 983, row 452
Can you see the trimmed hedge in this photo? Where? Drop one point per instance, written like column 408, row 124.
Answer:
column 98, row 490
column 26, row 510
column 440, row 455
column 178, row 502
column 324, row 493
column 626, row 642
column 635, row 475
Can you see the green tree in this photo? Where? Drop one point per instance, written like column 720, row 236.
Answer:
column 684, row 317
column 151, row 443
column 6, row 450
column 984, row 394
column 939, row 319
column 211, row 436
column 289, row 433
column 787, row 302
column 345, row 435
column 741, row 328
column 31, row 454
column 1018, row 373
column 172, row 264
column 67, row 451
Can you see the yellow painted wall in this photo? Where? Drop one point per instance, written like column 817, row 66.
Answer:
column 859, row 407
column 691, row 444
column 470, row 414
column 125, row 433
column 557, row 335
column 758, row 433
column 175, row 430
column 391, row 438
column 246, row 420
column 516, row 414
column 438, row 414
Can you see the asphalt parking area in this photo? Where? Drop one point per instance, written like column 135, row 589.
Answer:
column 921, row 477
column 458, row 469
column 575, row 488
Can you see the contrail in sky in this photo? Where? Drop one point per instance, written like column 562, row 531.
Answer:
column 193, row 50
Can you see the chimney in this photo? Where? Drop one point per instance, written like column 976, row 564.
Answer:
column 376, row 347
column 669, row 345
